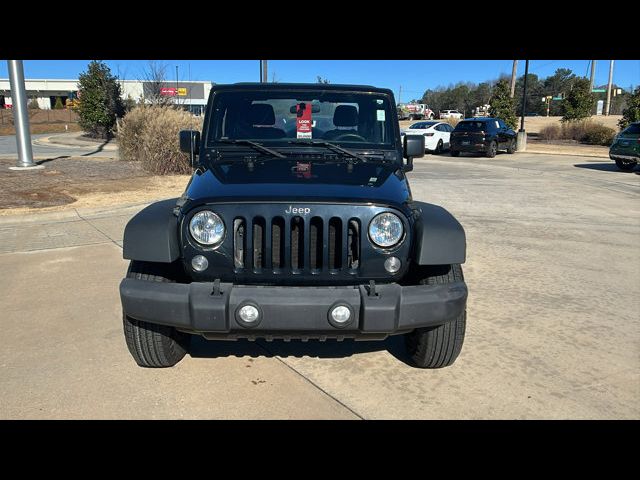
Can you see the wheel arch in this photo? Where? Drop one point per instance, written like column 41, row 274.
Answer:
column 439, row 237
column 152, row 234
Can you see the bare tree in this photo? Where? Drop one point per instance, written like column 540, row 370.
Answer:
column 155, row 77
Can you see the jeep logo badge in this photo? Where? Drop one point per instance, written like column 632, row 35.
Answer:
column 298, row 210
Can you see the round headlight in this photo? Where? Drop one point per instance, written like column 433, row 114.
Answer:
column 385, row 230
column 206, row 228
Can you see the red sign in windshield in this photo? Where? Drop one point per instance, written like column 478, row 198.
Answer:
column 303, row 120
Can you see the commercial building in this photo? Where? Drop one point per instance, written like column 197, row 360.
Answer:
column 191, row 95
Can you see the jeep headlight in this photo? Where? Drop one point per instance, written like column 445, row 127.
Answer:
column 206, row 228
column 386, row 230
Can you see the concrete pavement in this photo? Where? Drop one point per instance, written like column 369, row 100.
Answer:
column 58, row 145
column 553, row 317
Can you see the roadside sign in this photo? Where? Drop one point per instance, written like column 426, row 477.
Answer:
column 182, row 92
column 600, row 105
column 168, row 92
column 599, row 90
column 557, row 98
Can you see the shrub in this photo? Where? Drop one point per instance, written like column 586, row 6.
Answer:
column 632, row 112
column 578, row 102
column 597, row 134
column 33, row 104
column 150, row 135
column 58, row 105
column 583, row 131
column 550, row 132
column 130, row 133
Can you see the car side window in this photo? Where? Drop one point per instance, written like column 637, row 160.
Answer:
column 449, row 128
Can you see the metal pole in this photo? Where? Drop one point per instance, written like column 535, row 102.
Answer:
column 400, row 94
column 606, row 111
column 260, row 71
column 20, row 115
column 524, row 95
column 265, row 76
column 514, row 71
column 593, row 74
column 177, row 84
column 521, row 139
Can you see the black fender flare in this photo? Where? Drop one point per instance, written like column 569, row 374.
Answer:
column 152, row 234
column 439, row 237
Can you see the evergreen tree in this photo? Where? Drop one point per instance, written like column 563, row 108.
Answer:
column 578, row 102
column 502, row 105
column 100, row 100
column 632, row 112
column 58, row 105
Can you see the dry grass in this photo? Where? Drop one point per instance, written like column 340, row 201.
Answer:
column 38, row 128
column 586, row 131
column 150, row 135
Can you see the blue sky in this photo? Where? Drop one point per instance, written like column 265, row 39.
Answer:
column 415, row 76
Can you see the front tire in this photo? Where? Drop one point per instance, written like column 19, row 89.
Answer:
column 437, row 347
column 152, row 345
column 626, row 165
column 512, row 146
column 455, row 153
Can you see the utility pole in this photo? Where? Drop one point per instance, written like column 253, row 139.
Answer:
column 21, row 117
column 521, row 139
column 514, row 72
column 265, row 77
column 260, row 71
column 606, row 110
column 400, row 94
column 177, row 84
column 593, row 75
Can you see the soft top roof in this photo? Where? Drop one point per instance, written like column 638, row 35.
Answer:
column 300, row 86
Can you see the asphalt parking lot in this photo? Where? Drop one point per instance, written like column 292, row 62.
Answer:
column 553, row 327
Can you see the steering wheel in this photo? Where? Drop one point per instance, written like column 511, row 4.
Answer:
column 347, row 135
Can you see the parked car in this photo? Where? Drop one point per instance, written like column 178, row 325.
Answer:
column 436, row 135
column 450, row 114
column 482, row 135
column 625, row 150
column 310, row 236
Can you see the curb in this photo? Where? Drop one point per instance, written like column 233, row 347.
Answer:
column 71, row 214
column 88, row 144
column 572, row 154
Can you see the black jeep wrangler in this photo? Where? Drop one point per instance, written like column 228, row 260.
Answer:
column 298, row 223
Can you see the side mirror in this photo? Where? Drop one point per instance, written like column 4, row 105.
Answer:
column 412, row 147
column 190, row 144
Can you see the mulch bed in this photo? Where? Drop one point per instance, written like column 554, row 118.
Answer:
column 63, row 178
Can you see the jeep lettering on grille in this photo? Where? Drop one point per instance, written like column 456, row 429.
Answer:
column 298, row 210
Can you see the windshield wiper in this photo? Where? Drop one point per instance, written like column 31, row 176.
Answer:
column 256, row 145
column 331, row 146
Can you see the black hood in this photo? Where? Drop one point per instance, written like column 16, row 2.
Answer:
column 299, row 181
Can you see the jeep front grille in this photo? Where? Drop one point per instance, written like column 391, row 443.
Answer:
column 296, row 244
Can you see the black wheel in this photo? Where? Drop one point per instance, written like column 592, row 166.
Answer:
column 492, row 150
column 438, row 347
column 152, row 345
column 626, row 165
column 455, row 153
column 438, row 149
column 512, row 146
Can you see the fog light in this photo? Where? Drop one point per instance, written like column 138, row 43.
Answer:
column 249, row 314
column 392, row 264
column 340, row 315
column 199, row 263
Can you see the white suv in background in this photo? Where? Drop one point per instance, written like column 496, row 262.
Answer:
column 450, row 114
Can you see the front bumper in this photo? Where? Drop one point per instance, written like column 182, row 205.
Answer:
column 624, row 156
column 292, row 312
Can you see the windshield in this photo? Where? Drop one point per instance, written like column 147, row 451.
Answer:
column 470, row 126
column 421, row 125
column 633, row 129
column 277, row 117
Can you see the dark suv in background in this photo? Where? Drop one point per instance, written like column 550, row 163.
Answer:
column 482, row 135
